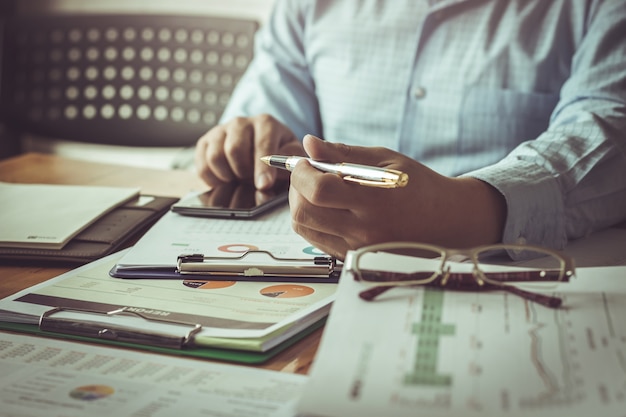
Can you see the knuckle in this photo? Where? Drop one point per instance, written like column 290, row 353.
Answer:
column 265, row 118
column 212, row 134
column 213, row 160
column 344, row 149
column 324, row 189
column 233, row 147
column 202, row 140
column 298, row 215
column 239, row 121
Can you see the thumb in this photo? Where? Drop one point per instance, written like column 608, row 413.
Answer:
column 321, row 150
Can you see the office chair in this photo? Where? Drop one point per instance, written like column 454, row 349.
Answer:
column 134, row 80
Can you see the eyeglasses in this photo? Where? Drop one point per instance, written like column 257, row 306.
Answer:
column 388, row 265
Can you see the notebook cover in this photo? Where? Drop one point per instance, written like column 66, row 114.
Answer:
column 107, row 235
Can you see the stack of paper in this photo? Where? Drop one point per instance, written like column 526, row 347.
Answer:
column 49, row 216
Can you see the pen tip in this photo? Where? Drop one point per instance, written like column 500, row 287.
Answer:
column 266, row 159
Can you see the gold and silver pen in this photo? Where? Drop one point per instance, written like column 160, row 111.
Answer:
column 361, row 174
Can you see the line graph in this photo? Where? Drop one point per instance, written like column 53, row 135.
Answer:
column 556, row 345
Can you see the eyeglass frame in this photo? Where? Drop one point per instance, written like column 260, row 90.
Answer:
column 441, row 277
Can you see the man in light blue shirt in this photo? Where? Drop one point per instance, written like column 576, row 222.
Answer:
column 508, row 115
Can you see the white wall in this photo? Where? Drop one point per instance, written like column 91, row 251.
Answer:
column 256, row 9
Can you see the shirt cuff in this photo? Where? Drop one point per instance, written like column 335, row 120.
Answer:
column 535, row 208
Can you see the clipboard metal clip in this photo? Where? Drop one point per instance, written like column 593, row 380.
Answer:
column 243, row 265
column 98, row 330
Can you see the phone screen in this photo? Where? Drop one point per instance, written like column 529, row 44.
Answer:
column 234, row 200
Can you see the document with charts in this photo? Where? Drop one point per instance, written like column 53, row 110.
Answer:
column 44, row 377
column 424, row 352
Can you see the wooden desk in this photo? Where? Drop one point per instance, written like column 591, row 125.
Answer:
column 48, row 169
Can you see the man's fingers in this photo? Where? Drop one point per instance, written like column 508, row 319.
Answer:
column 232, row 151
column 210, row 162
column 217, row 161
column 269, row 136
column 329, row 190
column 238, row 148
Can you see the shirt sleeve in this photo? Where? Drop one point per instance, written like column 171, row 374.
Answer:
column 278, row 81
column 571, row 180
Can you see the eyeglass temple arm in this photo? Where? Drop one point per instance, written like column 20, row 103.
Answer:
column 371, row 293
column 545, row 300
column 528, row 276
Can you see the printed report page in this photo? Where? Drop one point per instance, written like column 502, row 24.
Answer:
column 426, row 352
column 52, row 378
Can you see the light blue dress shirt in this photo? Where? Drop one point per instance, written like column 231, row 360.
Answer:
column 526, row 95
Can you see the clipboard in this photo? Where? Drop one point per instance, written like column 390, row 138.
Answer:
column 259, row 265
column 230, row 322
column 263, row 249
column 55, row 329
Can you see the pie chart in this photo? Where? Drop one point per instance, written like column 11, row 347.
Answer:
column 287, row 291
column 91, row 392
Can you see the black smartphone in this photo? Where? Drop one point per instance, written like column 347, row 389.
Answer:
column 233, row 200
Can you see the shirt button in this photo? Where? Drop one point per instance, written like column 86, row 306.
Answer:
column 419, row 92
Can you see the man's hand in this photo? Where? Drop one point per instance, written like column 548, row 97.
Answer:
column 232, row 151
column 337, row 216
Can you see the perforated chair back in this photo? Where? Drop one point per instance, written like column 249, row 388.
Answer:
column 135, row 80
